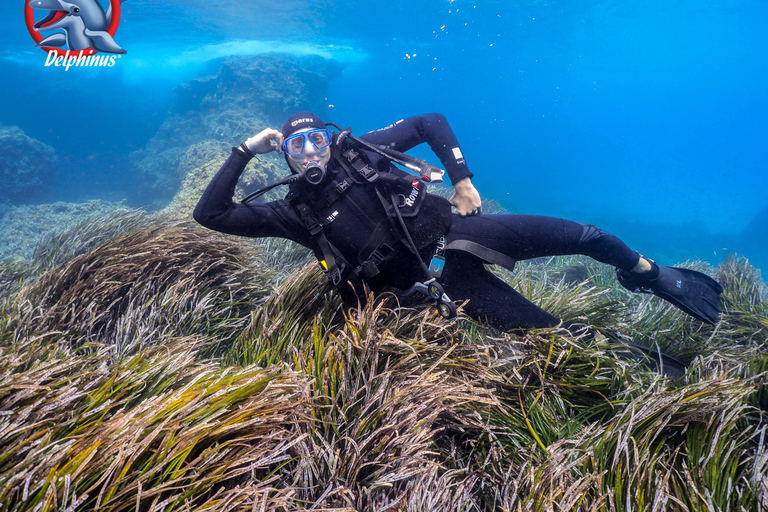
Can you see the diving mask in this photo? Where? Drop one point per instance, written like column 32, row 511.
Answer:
column 294, row 145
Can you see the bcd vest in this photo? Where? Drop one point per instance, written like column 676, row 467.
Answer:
column 352, row 215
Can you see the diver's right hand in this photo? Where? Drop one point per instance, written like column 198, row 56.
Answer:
column 262, row 142
column 466, row 199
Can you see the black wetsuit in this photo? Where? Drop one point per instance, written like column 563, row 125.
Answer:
column 465, row 277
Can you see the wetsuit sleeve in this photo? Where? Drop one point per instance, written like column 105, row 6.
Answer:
column 217, row 211
column 432, row 129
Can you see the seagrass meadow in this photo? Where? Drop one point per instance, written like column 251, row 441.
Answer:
column 152, row 365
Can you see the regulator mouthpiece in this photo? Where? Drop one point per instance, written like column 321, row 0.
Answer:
column 314, row 175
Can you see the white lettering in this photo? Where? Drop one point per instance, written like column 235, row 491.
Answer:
column 414, row 193
column 305, row 120
column 80, row 60
column 71, row 61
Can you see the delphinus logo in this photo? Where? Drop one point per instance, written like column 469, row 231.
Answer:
column 87, row 31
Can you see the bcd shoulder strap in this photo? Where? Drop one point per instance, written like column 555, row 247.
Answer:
column 352, row 162
column 332, row 265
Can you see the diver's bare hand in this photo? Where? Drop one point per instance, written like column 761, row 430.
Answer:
column 265, row 141
column 466, row 198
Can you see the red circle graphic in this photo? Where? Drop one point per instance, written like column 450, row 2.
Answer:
column 29, row 18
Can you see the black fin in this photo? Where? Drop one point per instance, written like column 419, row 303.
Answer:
column 693, row 292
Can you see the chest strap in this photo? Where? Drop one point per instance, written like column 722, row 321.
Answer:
column 337, row 191
column 378, row 249
column 332, row 265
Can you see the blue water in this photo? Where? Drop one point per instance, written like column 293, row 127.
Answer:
column 646, row 118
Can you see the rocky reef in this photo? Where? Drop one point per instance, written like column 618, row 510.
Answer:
column 242, row 97
column 754, row 239
column 210, row 115
column 23, row 227
column 26, row 167
column 199, row 164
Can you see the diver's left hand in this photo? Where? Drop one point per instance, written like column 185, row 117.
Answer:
column 466, row 198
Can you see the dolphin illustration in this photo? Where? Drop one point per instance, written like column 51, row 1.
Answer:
column 83, row 21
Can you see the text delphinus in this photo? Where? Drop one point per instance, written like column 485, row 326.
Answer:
column 77, row 59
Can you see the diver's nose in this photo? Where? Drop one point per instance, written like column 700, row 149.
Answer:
column 309, row 148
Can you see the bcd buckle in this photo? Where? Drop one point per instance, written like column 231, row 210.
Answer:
column 334, row 276
column 342, row 186
column 370, row 267
column 365, row 170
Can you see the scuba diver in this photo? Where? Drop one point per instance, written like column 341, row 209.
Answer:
column 373, row 226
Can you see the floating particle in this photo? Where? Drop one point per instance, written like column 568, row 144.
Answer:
column 331, row 105
column 490, row 44
column 442, row 28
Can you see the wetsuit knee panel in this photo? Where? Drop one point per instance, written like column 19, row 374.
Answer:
column 590, row 233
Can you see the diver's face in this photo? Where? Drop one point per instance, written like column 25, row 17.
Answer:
column 310, row 156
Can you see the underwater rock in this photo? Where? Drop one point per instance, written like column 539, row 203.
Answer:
column 22, row 227
column 754, row 239
column 274, row 86
column 200, row 163
column 243, row 97
column 755, row 236
column 27, row 167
